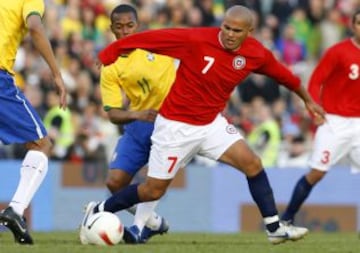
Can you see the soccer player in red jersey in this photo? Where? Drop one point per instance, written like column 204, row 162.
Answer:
column 213, row 61
column 335, row 84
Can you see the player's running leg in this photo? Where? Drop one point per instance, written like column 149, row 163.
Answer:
column 263, row 196
column 237, row 153
column 299, row 195
column 33, row 171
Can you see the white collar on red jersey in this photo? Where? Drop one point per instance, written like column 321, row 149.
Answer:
column 220, row 40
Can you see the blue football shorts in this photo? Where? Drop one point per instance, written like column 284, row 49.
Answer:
column 133, row 148
column 19, row 122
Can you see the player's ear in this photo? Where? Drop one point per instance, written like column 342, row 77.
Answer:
column 251, row 29
column 112, row 28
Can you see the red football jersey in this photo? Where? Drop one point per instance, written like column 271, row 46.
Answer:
column 207, row 74
column 335, row 82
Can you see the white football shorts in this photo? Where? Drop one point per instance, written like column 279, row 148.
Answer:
column 337, row 138
column 174, row 144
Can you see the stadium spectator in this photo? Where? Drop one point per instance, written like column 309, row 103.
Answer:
column 298, row 19
column 206, row 8
column 89, row 29
column 282, row 9
column 335, row 78
column 258, row 86
column 292, row 51
column 265, row 137
column 332, row 29
column 212, row 64
column 58, row 123
column 19, row 122
column 295, row 154
column 71, row 22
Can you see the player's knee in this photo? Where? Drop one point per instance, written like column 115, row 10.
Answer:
column 112, row 185
column 157, row 193
column 253, row 166
column 117, row 179
column 115, row 182
column 315, row 176
column 151, row 192
column 257, row 163
column 154, row 193
column 44, row 145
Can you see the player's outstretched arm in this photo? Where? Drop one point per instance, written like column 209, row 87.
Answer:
column 42, row 44
column 315, row 110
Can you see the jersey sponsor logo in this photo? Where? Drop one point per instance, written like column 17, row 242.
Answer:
column 231, row 129
column 239, row 62
column 150, row 57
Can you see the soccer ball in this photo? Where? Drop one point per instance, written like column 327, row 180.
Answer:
column 102, row 228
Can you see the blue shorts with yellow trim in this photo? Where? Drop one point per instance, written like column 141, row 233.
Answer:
column 19, row 122
column 133, row 148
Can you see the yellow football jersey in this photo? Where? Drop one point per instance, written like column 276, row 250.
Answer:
column 13, row 16
column 145, row 78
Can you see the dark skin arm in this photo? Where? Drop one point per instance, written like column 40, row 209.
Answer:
column 122, row 116
column 42, row 44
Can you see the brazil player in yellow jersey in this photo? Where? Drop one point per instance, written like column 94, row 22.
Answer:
column 19, row 122
column 132, row 89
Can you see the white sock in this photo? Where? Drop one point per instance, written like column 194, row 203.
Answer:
column 271, row 219
column 145, row 215
column 101, row 206
column 32, row 173
column 154, row 221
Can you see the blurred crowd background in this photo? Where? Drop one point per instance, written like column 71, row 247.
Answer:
column 274, row 120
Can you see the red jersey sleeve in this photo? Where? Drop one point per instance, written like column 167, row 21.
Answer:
column 163, row 41
column 279, row 72
column 321, row 73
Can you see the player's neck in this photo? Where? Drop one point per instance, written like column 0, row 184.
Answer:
column 355, row 42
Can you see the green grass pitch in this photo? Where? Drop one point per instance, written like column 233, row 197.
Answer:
column 67, row 242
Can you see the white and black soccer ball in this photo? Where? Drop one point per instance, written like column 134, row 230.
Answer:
column 102, row 228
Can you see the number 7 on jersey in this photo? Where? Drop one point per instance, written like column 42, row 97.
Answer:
column 210, row 61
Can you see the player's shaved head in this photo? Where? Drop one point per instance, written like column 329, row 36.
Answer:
column 236, row 26
column 239, row 12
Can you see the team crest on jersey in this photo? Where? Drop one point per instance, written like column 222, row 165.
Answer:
column 150, row 57
column 231, row 129
column 239, row 62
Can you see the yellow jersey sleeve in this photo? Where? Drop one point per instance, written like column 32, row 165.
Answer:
column 31, row 7
column 13, row 15
column 111, row 92
column 142, row 77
